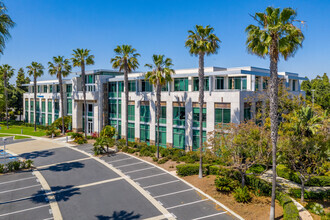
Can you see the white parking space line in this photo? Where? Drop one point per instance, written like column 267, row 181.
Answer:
column 126, row 165
column 209, row 216
column 185, row 204
column 145, row 177
column 26, row 187
column 49, row 218
column 23, row 210
column 120, row 160
column 18, row 180
column 168, row 194
column 70, row 161
column 133, row 171
column 146, row 187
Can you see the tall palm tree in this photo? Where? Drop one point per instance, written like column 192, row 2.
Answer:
column 202, row 42
column 35, row 70
column 81, row 58
column 274, row 36
column 6, row 72
column 5, row 24
column 159, row 76
column 125, row 60
column 61, row 68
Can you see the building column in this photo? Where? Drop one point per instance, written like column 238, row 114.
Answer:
column 169, row 123
column 137, row 106
column 210, row 116
column 190, row 84
column 251, row 81
column 188, row 125
column 153, row 122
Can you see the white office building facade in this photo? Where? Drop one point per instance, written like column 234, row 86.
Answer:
column 230, row 95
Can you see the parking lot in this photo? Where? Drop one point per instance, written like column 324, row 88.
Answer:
column 111, row 187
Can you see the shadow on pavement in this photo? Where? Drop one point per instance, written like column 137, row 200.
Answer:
column 62, row 193
column 37, row 154
column 64, row 167
column 121, row 215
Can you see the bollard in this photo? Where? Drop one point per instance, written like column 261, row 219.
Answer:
column 21, row 131
column 52, row 135
column 67, row 139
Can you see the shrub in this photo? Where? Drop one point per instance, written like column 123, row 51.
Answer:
column 80, row 140
column 259, row 186
column 190, row 169
column 28, row 164
column 131, row 150
column 155, row 159
column 290, row 211
column 321, row 195
column 164, row 152
column 225, row 184
column 94, row 135
column 242, row 195
column 52, row 130
column 2, row 168
column 89, row 137
column 315, row 208
column 125, row 149
column 214, row 170
column 163, row 160
column 256, row 168
column 97, row 150
column 16, row 165
column 146, row 152
column 10, row 166
column 58, row 123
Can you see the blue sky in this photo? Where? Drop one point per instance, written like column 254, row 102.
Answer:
column 47, row 28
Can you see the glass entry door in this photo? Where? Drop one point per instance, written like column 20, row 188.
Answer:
column 90, row 126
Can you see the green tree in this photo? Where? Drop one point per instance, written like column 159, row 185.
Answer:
column 202, row 42
column 20, row 80
column 159, row 75
column 6, row 73
column 81, row 58
column 318, row 90
column 35, row 70
column 274, row 36
column 61, row 68
column 126, row 61
column 304, row 143
column 5, row 24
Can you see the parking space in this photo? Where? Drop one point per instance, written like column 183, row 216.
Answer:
column 22, row 197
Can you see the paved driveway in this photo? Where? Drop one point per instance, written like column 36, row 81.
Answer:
column 110, row 187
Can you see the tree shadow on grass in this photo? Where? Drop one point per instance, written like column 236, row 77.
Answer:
column 36, row 154
column 121, row 215
column 62, row 167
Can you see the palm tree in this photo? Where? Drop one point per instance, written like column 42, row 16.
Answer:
column 81, row 58
column 202, row 42
column 5, row 24
column 125, row 60
column 274, row 36
column 61, row 68
column 159, row 76
column 7, row 72
column 36, row 70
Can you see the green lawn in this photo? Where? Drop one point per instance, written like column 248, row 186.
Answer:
column 16, row 129
column 16, row 136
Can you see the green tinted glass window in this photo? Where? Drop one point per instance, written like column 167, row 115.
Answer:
column 196, row 139
column 179, row 138
column 145, row 133
column 179, row 116
column 162, row 136
column 196, row 117
column 144, row 113
column 131, row 112
column 131, row 132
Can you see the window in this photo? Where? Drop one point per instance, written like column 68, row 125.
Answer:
column 265, row 83
column 37, row 105
column 179, row 138
column 196, row 139
column 90, row 110
column 131, row 86
column 112, row 89
column 237, row 82
column 146, row 87
column 68, row 88
column 145, row 112
column 37, row 118
column 57, row 107
column 120, row 88
column 131, row 132
column 50, row 88
column 179, row 116
column 50, row 119
column 119, row 108
column 39, row 89
column 196, row 84
column 219, row 83
column 69, row 106
column 145, row 133
column 43, row 119
column 26, row 116
column 131, row 112
column 247, row 111
column 196, row 117
column 31, row 117
column 26, row 104
column 181, row 84
column 222, row 113
column 256, row 84
column 43, row 106
column 45, row 89
column 113, row 108
column 165, row 87
column 89, row 79
column 162, row 115
column 32, row 105
column 50, row 108
column 293, row 85
column 162, row 136
column 58, row 88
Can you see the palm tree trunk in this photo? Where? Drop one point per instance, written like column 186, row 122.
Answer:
column 6, row 98
column 201, row 102
column 84, row 94
column 35, row 102
column 158, row 114
column 126, row 101
column 273, row 98
column 62, row 101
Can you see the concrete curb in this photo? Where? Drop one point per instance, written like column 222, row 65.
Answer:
column 200, row 191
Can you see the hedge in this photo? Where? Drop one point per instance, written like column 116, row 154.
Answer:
column 322, row 195
column 191, row 169
column 290, row 211
column 286, row 173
